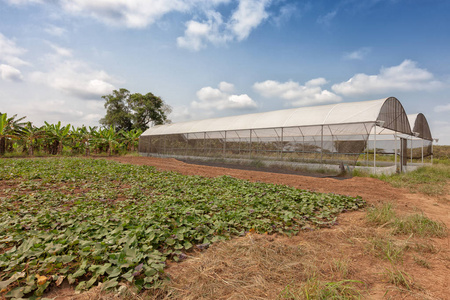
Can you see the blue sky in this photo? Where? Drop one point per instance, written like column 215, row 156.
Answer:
column 223, row 57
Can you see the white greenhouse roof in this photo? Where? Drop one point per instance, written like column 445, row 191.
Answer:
column 342, row 113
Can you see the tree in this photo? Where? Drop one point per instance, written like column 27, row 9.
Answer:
column 56, row 136
column 125, row 111
column 9, row 129
column 30, row 134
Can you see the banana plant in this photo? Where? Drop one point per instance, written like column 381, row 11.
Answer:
column 30, row 134
column 85, row 137
column 109, row 137
column 9, row 129
column 56, row 135
column 130, row 139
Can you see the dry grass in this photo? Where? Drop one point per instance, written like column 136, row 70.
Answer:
column 248, row 268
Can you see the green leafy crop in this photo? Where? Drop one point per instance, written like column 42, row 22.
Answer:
column 90, row 221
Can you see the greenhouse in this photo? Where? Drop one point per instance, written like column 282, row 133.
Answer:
column 329, row 136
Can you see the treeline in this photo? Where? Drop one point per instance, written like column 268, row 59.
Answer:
column 17, row 135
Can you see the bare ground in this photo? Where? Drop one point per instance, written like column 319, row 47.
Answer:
column 280, row 267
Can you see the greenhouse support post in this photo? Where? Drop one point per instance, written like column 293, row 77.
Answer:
column 411, row 149
column 422, row 151
column 375, row 148
column 395, row 150
column 321, row 145
column 431, row 152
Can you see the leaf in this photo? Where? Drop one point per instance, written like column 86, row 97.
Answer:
column 187, row 245
column 90, row 282
column 4, row 284
column 78, row 273
column 60, row 280
column 41, row 279
column 42, row 288
column 81, row 286
column 15, row 293
column 113, row 271
column 170, row 242
column 128, row 276
column 109, row 284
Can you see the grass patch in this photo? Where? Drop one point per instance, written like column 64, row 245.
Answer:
column 316, row 289
column 385, row 248
column 97, row 221
column 417, row 224
column 430, row 180
column 421, row 262
column 380, row 215
column 399, row 278
column 420, row 225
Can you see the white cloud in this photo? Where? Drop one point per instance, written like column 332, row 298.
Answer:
column 60, row 51
column 404, row 77
column 442, row 108
column 55, row 30
column 325, row 20
column 10, row 53
column 130, row 13
column 73, row 76
column 226, row 87
column 295, row 94
column 197, row 34
column 10, row 73
column 441, row 131
column 358, row 54
column 211, row 99
column 248, row 16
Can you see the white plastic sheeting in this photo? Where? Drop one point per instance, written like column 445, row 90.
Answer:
column 342, row 113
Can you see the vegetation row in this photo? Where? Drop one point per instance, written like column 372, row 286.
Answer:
column 19, row 137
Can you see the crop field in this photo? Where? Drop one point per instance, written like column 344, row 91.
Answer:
column 88, row 221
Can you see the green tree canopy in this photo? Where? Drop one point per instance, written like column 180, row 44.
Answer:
column 126, row 111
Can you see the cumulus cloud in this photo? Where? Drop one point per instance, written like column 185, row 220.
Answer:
column 10, row 52
column 359, row 54
column 220, row 99
column 248, row 15
column 10, row 73
column 198, row 34
column 404, row 77
column 73, row 76
column 294, row 94
column 442, row 108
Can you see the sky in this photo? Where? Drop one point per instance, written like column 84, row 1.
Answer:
column 214, row 58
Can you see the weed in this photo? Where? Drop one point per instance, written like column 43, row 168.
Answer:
column 399, row 278
column 421, row 225
column 427, row 247
column 257, row 163
column 422, row 262
column 385, row 248
column 340, row 267
column 344, row 289
column 381, row 215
